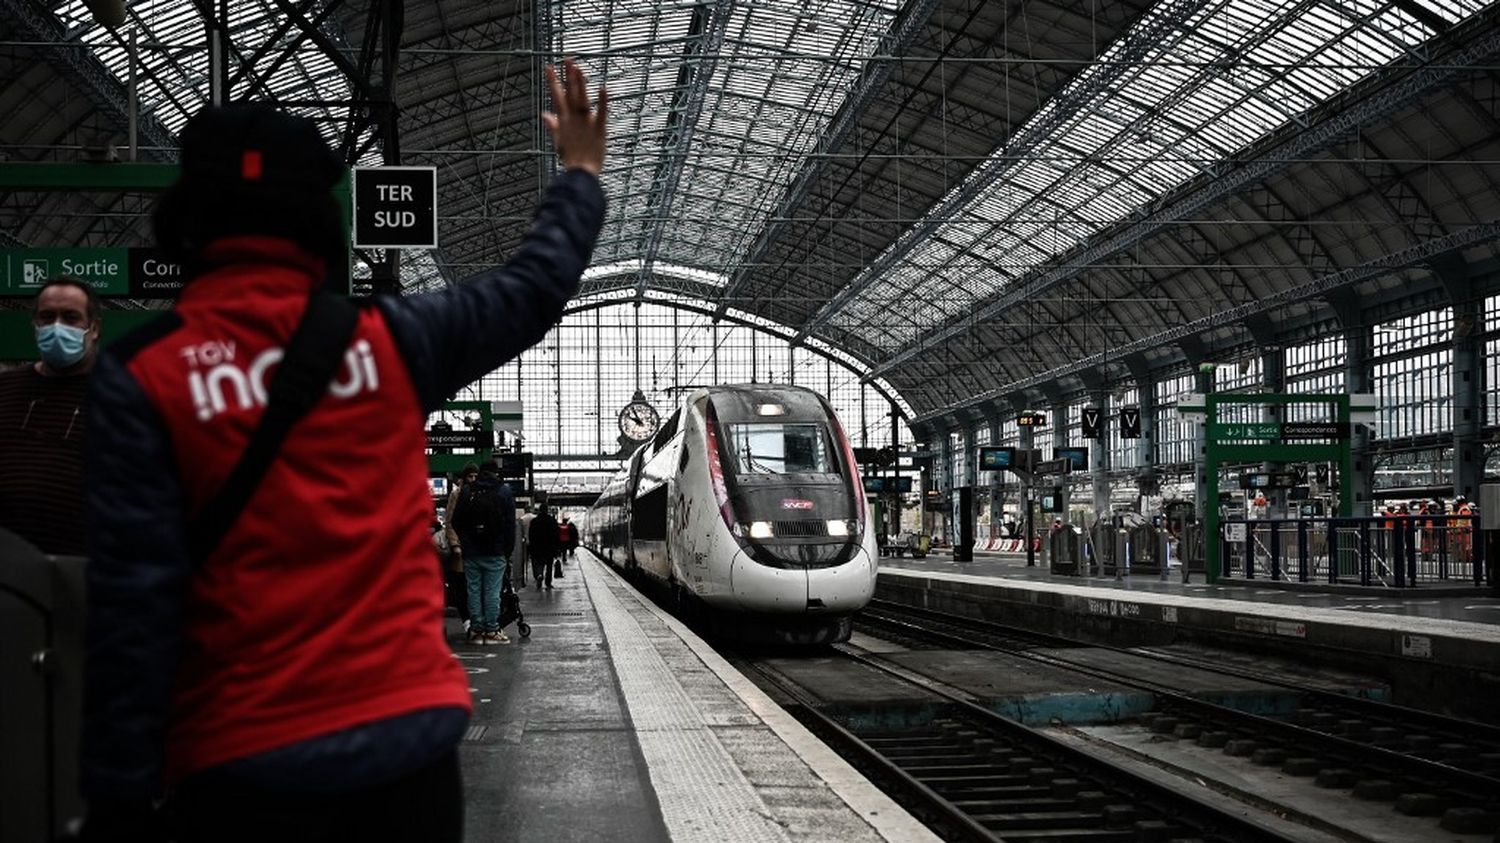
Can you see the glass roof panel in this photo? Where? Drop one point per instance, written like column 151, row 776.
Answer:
column 781, row 72
column 173, row 60
column 1238, row 70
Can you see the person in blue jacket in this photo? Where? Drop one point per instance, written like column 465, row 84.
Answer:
column 232, row 683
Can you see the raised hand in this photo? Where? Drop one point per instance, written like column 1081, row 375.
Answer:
column 578, row 131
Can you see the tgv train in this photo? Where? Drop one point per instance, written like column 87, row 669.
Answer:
column 748, row 508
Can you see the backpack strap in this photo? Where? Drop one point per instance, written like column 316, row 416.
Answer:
column 311, row 359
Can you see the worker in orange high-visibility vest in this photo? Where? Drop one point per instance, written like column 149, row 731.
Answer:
column 1386, row 536
column 1425, row 532
column 1461, row 530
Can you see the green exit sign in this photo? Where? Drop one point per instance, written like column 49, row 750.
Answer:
column 1232, row 431
column 107, row 270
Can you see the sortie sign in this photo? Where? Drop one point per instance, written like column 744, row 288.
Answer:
column 112, row 272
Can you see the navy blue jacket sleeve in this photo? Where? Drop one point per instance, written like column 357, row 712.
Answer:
column 507, row 520
column 453, row 337
column 137, row 576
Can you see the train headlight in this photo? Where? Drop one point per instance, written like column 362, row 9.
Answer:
column 770, row 410
column 838, row 528
column 760, row 530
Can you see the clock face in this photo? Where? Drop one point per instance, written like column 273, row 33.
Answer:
column 639, row 421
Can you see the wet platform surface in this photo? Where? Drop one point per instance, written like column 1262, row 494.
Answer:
column 614, row 722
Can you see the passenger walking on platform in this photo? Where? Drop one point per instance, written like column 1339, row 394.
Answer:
column 273, row 654
column 542, row 545
column 484, row 516
column 521, row 556
column 42, row 414
column 560, row 549
column 456, row 580
column 570, row 537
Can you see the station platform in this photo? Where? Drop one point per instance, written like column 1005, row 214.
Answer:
column 613, row 721
column 1457, row 603
column 1436, row 651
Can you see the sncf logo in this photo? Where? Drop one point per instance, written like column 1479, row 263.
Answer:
column 217, row 381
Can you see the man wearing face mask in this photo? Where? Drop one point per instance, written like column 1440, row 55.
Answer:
column 41, row 414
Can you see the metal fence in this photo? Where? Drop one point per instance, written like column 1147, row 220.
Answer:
column 1396, row 551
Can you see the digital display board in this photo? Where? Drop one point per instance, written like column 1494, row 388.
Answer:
column 996, row 459
column 881, row 485
column 1078, row 458
column 1052, row 501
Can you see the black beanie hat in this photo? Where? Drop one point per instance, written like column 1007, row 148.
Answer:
column 250, row 168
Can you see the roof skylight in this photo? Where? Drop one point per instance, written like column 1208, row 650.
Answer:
column 1233, row 72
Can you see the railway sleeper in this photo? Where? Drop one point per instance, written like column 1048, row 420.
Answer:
column 1042, row 803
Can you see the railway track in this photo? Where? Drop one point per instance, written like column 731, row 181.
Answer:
column 1424, row 763
column 974, row 775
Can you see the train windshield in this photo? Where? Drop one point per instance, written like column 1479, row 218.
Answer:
column 781, row 448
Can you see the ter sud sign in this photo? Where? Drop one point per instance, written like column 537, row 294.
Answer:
column 111, row 271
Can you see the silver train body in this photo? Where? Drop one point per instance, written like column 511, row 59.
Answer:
column 748, row 508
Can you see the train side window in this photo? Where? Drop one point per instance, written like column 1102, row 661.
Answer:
column 648, row 515
column 666, row 433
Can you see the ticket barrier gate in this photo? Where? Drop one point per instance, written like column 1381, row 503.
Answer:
column 1190, row 550
column 41, row 674
column 1386, row 550
column 1064, row 550
column 1104, row 549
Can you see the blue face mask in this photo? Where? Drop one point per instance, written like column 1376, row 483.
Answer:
column 61, row 345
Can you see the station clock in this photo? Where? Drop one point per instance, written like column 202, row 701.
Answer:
column 638, row 419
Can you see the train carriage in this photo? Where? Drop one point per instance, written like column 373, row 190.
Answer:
column 748, row 508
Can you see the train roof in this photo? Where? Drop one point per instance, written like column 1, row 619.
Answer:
column 744, row 401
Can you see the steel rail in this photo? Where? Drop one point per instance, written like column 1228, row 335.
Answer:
column 1158, row 799
column 1480, row 786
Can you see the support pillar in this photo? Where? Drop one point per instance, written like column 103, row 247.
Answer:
column 1027, row 440
column 1468, row 395
column 1148, row 479
column 895, row 499
column 996, row 479
column 1059, row 422
column 1099, row 456
column 1203, row 384
column 1358, row 379
column 1273, row 380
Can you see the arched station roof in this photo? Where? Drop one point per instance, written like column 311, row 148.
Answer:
column 978, row 201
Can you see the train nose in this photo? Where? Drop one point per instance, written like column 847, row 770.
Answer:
column 837, row 590
column 758, row 588
column 845, row 588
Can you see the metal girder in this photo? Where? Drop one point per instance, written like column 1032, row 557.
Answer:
column 1183, row 335
column 903, row 32
column 699, row 65
column 1069, row 101
column 1300, row 147
column 73, row 60
column 358, row 76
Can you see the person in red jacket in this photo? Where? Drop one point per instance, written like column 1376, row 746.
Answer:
column 293, row 683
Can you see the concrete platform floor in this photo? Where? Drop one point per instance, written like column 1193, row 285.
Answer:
column 614, row 722
column 1472, row 605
